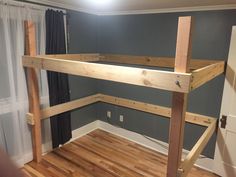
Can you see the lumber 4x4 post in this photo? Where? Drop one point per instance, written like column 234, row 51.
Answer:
column 179, row 100
column 33, row 90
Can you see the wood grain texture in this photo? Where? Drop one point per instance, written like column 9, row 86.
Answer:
column 71, row 105
column 207, row 73
column 166, row 62
column 33, row 92
column 128, row 103
column 101, row 154
column 165, row 80
column 197, row 149
column 155, row 109
column 77, row 57
column 179, row 100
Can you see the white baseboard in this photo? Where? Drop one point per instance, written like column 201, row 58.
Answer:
column 85, row 130
column 156, row 145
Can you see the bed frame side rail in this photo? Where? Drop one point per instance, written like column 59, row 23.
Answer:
column 193, row 155
column 207, row 73
column 165, row 62
column 166, row 80
column 45, row 113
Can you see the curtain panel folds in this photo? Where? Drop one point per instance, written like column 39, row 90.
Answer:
column 57, row 82
column 15, row 134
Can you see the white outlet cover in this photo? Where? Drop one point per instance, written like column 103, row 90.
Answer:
column 121, row 118
column 109, row 114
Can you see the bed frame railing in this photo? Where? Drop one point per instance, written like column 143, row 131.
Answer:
column 187, row 76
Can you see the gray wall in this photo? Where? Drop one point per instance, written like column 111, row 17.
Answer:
column 82, row 30
column 155, row 34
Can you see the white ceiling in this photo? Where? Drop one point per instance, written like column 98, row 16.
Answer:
column 106, row 7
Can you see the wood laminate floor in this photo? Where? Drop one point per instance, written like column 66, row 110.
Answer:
column 101, row 154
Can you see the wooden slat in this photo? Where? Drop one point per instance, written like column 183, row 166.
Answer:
column 137, row 76
column 132, row 104
column 139, row 60
column 179, row 100
column 167, row 62
column 203, row 75
column 33, row 92
column 57, row 109
column 155, row 109
column 197, row 149
column 76, row 57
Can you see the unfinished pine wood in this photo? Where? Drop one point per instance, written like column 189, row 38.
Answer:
column 77, row 57
column 64, row 107
column 101, row 154
column 179, row 100
column 167, row 62
column 33, row 92
column 155, row 109
column 203, row 75
column 30, row 118
column 137, row 76
column 137, row 105
column 197, row 149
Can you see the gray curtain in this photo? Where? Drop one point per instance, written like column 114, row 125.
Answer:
column 57, row 82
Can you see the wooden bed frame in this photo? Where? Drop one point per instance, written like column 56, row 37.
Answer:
column 187, row 76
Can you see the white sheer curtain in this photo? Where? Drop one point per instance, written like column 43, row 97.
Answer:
column 15, row 136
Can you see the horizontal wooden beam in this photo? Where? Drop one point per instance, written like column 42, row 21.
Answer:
column 132, row 104
column 154, row 109
column 196, row 150
column 205, row 74
column 76, row 57
column 171, row 81
column 167, row 62
column 64, row 107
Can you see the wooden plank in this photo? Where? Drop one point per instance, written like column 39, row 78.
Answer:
column 139, row 60
column 167, row 62
column 132, row 104
column 76, row 57
column 64, row 107
column 137, row 76
column 179, row 100
column 203, row 75
column 197, row 149
column 33, row 171
column 33, row 92
column 198, row 119
column 155, row 109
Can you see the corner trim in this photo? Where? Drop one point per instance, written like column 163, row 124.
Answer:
column 84, row 130
column 134, row 12
column 169, row 10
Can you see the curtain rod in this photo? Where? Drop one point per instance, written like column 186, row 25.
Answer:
column 18, row 5
column 47, row 6
column 30, row 5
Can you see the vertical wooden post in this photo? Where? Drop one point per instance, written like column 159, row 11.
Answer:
column 179, row 100
column 33, row 90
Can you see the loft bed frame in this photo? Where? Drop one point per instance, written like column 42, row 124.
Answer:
column 187, row 75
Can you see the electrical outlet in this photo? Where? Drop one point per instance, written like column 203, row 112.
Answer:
column 109, row 114
column 121, row 118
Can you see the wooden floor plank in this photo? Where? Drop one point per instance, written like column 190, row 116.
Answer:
column 102, row 154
